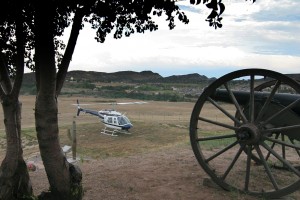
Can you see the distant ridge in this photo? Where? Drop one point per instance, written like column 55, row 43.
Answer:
column 127, row 77
column 122, row 76
column 134, row 77
column 188, row 78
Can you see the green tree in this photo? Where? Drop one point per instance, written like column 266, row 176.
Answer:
column 14, row 177
column 29, row 34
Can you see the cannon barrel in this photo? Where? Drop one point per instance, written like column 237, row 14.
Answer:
column 243, row 97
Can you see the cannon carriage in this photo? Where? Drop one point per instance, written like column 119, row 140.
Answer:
column 245, row 132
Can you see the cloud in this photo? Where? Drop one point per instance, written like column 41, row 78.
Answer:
column 260, row 35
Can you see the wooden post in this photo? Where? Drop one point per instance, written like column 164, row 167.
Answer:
column 74, row 140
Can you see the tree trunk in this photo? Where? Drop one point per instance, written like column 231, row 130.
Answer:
column 14, row 177
column 64, row 178
column 56, row 165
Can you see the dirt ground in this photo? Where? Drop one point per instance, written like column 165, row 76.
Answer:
column 169, row 174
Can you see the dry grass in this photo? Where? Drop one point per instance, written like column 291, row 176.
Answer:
column 156, row 125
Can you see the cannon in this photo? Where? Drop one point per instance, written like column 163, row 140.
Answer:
column 245, row 132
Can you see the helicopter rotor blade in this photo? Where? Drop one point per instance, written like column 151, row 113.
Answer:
column 112, row 103
column 131, row 103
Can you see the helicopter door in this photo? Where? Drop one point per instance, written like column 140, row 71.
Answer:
column 109, row 120
column 115, row 120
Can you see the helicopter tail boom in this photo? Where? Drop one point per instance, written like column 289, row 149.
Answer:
column 92, row 112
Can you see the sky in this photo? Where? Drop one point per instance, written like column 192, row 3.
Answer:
column 265, row 34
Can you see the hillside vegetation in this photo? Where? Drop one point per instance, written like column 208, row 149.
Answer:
column 145, row 85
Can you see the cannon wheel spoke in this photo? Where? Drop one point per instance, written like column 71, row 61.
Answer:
column 267, row 168
column 221, row 151
column 272, row 146
column 241, row 151
column 247, row 177
column 293, row 145
column 223, row 110
column 281, row 159
column 267, row 102
column 216, row 137
column 291, row 105
column 238, row 107
column 297, row 150
column 283, row 147
column 251, row 111
column 280, row 129
column 233, row 162
column 217, row 123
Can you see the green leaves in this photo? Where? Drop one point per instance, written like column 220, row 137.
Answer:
column 217, row 8
column 214, row 18
column 197, row 2
column 126, row 17
column 213, row 5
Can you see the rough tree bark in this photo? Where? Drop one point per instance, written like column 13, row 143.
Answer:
column 64, row 178
column 14, row 177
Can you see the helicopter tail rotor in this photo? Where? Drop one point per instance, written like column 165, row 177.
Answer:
column 78, row 108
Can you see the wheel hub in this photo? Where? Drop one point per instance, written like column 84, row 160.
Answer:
column 248, row 134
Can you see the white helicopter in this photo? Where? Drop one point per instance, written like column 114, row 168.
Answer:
column 115, row 122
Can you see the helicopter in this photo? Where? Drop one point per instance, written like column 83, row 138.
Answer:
column 115, row 122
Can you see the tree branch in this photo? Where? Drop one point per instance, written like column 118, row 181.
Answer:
column 44, row 48
column 63, row 69
column 20, row 54
column 5, row 82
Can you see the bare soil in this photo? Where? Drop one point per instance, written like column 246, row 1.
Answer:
column 172, row 173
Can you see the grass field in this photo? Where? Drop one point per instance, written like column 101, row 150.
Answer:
column 156, row 125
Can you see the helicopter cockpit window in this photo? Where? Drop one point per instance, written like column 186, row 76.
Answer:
column 126, row 119
column 123, row 120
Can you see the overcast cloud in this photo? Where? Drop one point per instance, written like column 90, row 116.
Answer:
column 260, row 35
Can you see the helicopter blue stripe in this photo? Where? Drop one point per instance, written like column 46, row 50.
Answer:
column 92, row 112
column 126, row 126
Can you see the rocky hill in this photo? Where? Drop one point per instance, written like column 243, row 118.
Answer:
column 188, row 78
column 122, row 76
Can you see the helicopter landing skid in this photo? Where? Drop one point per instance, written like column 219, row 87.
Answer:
column 113, row 132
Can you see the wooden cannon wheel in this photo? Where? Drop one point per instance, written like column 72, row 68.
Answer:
column 248, row 137
column 268, row 86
